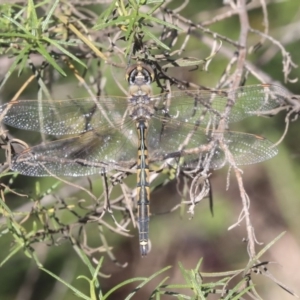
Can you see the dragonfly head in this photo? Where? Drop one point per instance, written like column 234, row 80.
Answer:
column 139, row 74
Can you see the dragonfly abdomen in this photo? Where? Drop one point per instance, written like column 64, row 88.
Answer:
column 143, row 189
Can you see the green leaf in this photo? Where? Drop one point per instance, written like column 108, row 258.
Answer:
column 12, row 227
column 63, row 50
column 12, row 68
column 146, row 281
column 153, row 9
column 46, row 21
column 183, row 62
column 154, row 1
column 169, row 25
column 24, row 59
column 76, row 291
column 155, row 39
column 17, row 35
column 92, row 290
column 32, row 16
column 19, row 25
column 11, row 253
column 42, row 50
column 119, row 21
column 108, row 12
column 130, row 27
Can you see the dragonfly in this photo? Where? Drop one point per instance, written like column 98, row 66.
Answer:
column 140, row 130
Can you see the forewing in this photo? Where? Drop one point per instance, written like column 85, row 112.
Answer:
column 207, row 106
column 73, row 116
column 62, row 117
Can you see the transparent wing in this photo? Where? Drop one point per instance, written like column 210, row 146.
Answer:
column 206, row 107
column 166, row 140
column 62, row 117
column 108, row 138
column 94, row 151
column 89, row 153
column 73, row 116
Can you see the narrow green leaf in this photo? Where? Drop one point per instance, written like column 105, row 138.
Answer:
column 97, row 271
column 199, row 264
column 155, row 39
column 11, row 253
column 119, row 21
column 46, row 21
column 76, row 291
column 154, row 1
column 91, row 285
column 20, row 13
column 135, row 4
column 32, row 17
column 7, row 174
column 42, row 50
column 86, row 261
column 108, row 12
column 92, row 291
column 23, row 63
column 17, row 35
column 169, row 25
column 146, row 281
column 122, row 8
column 12, row 68
column 130, row 27
column 65, row 51
column 184, row 62
column 121, row 285
column 129, row 43
column 157, row 6
column 35, row 258
column 261, row 252
column 12, row 228
column 269, row 245
column 19, row 25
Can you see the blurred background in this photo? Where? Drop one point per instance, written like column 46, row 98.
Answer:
column 272, row 186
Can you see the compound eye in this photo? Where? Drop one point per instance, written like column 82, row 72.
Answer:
column 147, row 76
column 148, row 73
column 131, row 75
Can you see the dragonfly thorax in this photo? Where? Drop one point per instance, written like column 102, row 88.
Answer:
column 140, row 90
column 140, row 107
